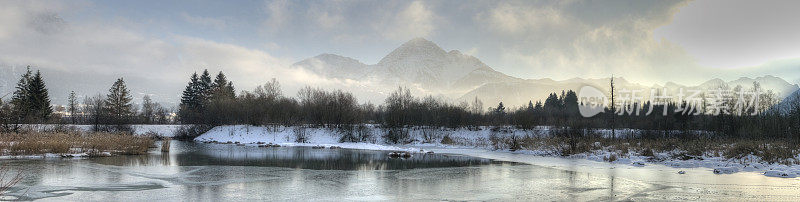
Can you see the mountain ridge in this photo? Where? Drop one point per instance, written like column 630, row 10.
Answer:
column 429, row 69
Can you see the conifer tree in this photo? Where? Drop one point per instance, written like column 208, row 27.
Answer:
column 204, row 89
column 222, row 88
column 20, row 101
column 118, row 102
column 189, row 100
column 39, row 98
column 530, row 105
column 500, row 110
column 31, row 102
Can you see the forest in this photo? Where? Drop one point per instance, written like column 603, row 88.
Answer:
column 207, row 102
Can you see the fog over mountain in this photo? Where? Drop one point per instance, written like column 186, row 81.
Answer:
column 428, row 69
column 493, row 50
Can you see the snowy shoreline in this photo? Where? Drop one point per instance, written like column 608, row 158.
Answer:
column 327, row 137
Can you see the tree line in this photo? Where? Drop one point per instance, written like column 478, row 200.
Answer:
column 114, row 111
column 211, row 102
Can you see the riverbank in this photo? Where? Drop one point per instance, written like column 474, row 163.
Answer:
column 136, row 129
column 71, row 144
column 719, row 156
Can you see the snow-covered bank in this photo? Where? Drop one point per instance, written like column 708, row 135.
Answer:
column 285, row 136
column 481, row 138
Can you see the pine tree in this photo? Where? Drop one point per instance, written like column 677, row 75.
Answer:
column 530, row 105
column 39, row 98
column 571, row 103
column 500, row 110
column 31, row 102
column 204, row 89
column 20, row 101
column 118, row 102
column 222, row 88
column 189, row 100
column 72, row 106
column 538, row 106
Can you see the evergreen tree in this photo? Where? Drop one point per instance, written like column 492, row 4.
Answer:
column 189, row 100
column 552, row 103
column 222, row 88
column 204, row 89
column 500, row 110
column 6, row 119
column 39, row 98
column 571, row 103
column 20, row 101
column 538, row 106
column 31, row 102
column 118, row 102
column 530, row 105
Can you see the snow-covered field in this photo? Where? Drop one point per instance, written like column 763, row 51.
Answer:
column 478, row 138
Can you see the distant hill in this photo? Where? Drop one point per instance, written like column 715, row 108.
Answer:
column 788, row 103
column 428, row 69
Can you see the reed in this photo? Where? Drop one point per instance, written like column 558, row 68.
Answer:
column 37, row 143
column 165, row 144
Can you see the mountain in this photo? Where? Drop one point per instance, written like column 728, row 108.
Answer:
column 428, row 69
column 335, row 66
column 787, row 104
column 418, row 63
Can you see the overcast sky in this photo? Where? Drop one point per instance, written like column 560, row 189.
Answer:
column 157, row 44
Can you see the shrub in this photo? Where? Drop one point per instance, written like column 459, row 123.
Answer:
column 355, row 133
column 447, row 140
column 396, row 135
column 647, row 152
column 300, row 134
column 610, row 158
column 189, row 132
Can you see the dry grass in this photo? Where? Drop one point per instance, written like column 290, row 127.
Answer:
column 771, row 151
column 37, row 143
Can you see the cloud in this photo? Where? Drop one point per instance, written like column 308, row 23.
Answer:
column 350, row 21
column 563, row 40
column 276, row 14
column 205, row 21
column 38, row 36
column 530, row 39
column 731, row 34
column 514, row 19
column 415, row 20
column 471, row 51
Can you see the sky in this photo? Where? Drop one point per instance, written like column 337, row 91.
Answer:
column 84, row 46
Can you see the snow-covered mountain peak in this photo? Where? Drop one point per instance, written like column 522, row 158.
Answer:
column 415, row 50
column 332, row 65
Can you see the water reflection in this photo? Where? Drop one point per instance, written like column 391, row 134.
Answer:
column 210, row 172
column 199, row 154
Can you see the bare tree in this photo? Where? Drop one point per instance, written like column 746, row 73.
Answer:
column 613, row 111
column 72, row 106
column 148, row 110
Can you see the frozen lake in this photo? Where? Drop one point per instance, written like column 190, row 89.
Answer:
column 213, row 172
